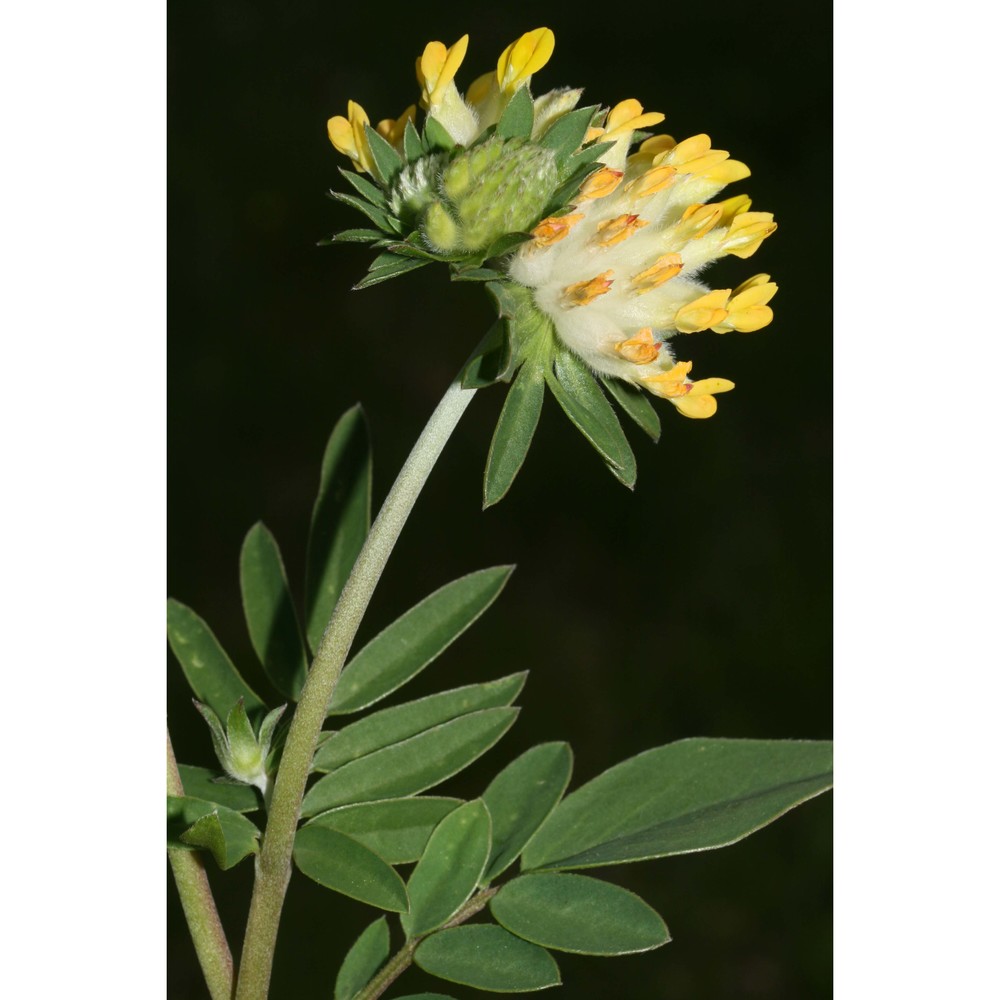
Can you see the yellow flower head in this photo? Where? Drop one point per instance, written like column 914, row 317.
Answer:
column 601, row 246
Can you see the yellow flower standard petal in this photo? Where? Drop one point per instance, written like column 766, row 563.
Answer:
column 653, row 181
column 436, row 68
column 348, row 136
column 627, row 116
column 524, row 57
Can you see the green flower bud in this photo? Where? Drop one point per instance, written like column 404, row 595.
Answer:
column 500, row 186
column 242, row 754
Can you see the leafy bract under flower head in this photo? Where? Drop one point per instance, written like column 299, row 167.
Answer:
column 592, row 248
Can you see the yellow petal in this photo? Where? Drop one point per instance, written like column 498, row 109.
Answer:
column 627, row 116
column 727, row 172
column 731, row 207
column 614, row 231
column 480, row 89
column 341, row 135
column 747, row 232
column 696, row 407
column 652, row 181
column 622, row 112
column 703, row 312
column 582, row 293
column 524, row 57
column 701, row 164
column 554, row 228
column 391, row 129
column 663, row 269
column 600, row 184
column 669, row 384
column 705, row 386
column 690, row 149
column 436, row 68
column 640, row 349
column 697, row 220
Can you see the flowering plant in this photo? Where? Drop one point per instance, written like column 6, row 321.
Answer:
column 590, row 235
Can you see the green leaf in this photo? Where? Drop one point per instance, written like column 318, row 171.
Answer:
column 492, row 360
column 270, row 614
column 635, row 403
column 201, row 783
column 350, row 236
column 211, row 674
column 518, row 117
column 382, row 219
column 567, row 133
column 392, row 725
column 692, row 795
column 436, row 136
column 513, row 434
column 478, row 274
column 400, row 651
column 521, row 797
column 504, row 244
column 413, row 765
column 229, row 836
column 413, row 148
column 365, row 188
column 342, row 864
column 386, row 266
column 388, row 162
column 587, row 155
column 449, row 869
column 579, row 914
column 363, row 960
column 588, row 409
column 341, row 517
column 397, row 830
column 488, row 958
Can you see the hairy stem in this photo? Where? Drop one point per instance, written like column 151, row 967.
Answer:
column 273, row 865
column 403, row 958
column 199, row 907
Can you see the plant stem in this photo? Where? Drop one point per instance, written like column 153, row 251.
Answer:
column 274, row 864
column 199, row 907
column 403, row 958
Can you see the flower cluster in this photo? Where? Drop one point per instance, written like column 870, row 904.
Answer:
column 608, row 241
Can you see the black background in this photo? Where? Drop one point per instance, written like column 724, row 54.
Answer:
column 700, row 604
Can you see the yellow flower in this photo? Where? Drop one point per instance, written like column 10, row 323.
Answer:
column 348, row 136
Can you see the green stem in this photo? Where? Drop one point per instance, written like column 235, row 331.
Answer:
column 274, row 863
column 403, row 958
column 199, row 907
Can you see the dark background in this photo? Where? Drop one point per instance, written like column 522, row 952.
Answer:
column 700, row 604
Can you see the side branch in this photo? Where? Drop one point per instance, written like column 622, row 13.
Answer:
column 199, row 906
